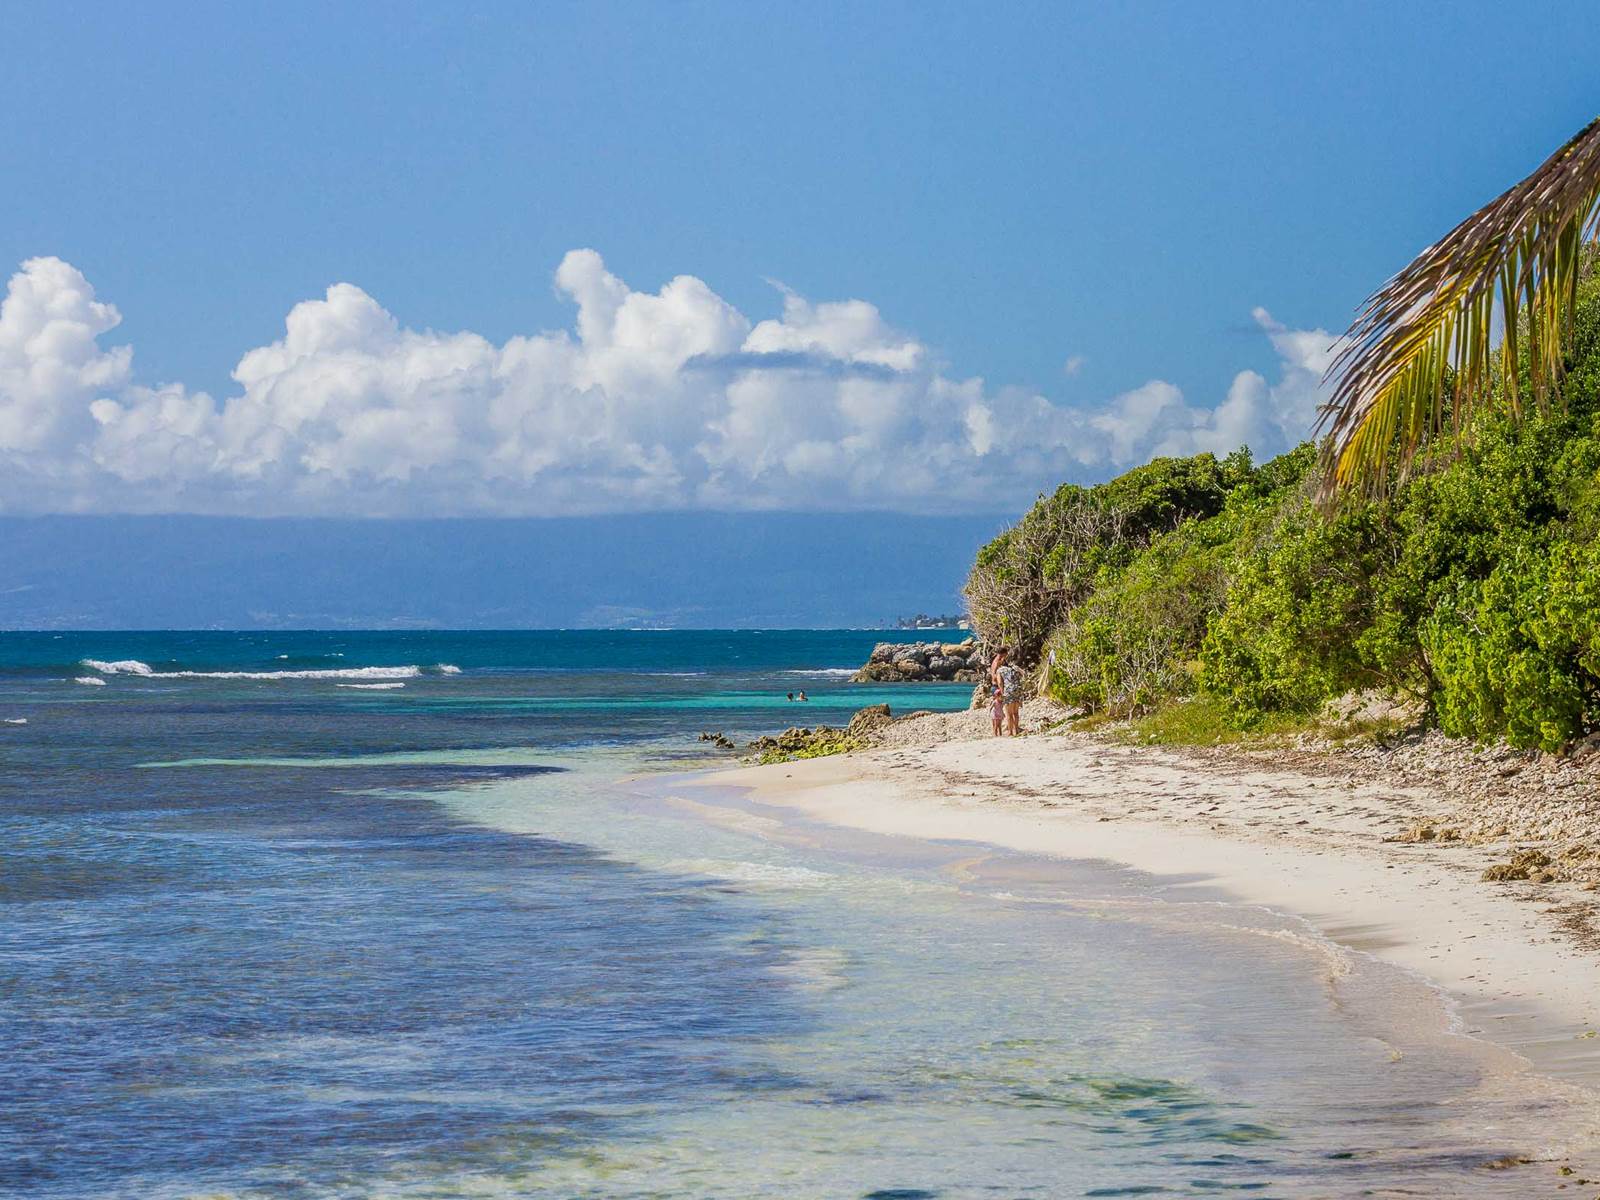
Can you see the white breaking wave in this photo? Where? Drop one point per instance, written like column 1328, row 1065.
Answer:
column 832, row 672
column 91, row 680
column 449, row 669
column 123, row 666
column 133, row 666
column 330, row 673
column 370, row 687
column 16, row 720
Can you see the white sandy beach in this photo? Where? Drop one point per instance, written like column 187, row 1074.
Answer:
column 1517, row 958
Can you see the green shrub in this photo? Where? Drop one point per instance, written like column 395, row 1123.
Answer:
column 1134, row 640
column 1518, row 654
column 1433, row 593
column 1165, row 492
column 1131, row 643
column 1026, row 580
column 1286, row 636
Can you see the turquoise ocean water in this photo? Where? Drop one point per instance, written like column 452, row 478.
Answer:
column 434, row 914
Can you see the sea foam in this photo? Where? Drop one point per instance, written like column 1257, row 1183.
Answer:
column 90, row 680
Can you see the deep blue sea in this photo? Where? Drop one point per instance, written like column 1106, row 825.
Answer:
column 437, row 914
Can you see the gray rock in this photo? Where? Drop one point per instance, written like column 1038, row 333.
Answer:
column 907, row 662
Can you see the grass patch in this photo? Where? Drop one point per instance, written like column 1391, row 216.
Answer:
column 1203, row 721
column 1366, row 729
column 1090, row 722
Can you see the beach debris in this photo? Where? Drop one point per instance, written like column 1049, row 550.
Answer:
column 1428, row 831
column 1525, row 864
column 1585, row 748
column 1505, row 1163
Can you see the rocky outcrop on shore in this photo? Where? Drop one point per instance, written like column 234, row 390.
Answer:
column 865, row 729
column 924, row 662
column 799, row 742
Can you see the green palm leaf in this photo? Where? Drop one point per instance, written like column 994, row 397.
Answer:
column 1423, row 353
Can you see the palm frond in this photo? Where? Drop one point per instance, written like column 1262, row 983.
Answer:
column 1420, row 358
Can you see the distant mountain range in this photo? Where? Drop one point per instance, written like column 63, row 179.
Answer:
column 666, row 570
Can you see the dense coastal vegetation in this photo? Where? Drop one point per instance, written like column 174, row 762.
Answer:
column 1470, row 585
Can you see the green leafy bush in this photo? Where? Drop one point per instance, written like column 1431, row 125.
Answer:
column 1025, row 581
column 1518, row 654
column 1287, row 633
column 1134, row 639
column 1445, row 592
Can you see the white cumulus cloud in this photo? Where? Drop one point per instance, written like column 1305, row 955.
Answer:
column 51, row 364
column 670, row 399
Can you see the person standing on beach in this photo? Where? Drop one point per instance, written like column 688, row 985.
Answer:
column 1011, row 693
column 1005, row 680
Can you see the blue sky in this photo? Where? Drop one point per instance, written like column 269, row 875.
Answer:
column 1008, row 187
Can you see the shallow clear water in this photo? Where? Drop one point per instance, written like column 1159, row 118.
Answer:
column 282, row 936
